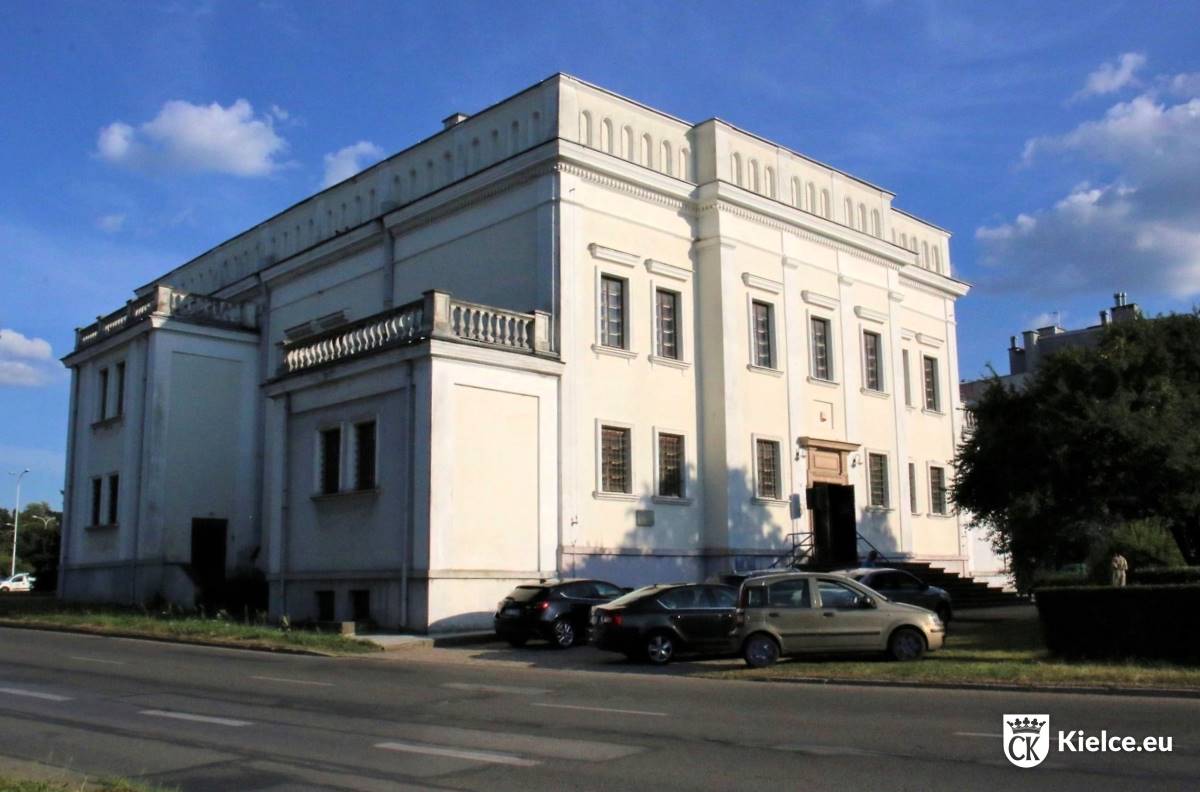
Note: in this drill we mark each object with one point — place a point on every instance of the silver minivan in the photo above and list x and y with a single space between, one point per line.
820 613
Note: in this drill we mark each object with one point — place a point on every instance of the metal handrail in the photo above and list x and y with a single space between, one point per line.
867 542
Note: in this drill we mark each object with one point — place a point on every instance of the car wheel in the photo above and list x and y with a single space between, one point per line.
760 651
906 644
516 642
943 612
660 648
564 633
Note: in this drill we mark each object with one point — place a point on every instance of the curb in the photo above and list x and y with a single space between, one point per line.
464 638
168 639
1095 690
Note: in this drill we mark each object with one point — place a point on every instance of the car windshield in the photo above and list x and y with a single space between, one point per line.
526 593
636 594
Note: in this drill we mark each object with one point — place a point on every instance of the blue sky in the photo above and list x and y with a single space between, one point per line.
1060 143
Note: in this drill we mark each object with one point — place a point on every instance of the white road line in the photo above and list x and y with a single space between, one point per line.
187 716
34 694
293 681
494 688
600 709
97 660
455 753
977 734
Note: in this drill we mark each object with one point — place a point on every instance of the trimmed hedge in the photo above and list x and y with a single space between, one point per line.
1159 622
1161 575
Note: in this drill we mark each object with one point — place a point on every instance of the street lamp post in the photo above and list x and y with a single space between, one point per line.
16 520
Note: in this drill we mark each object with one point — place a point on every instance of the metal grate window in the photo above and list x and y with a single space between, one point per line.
767 455
668 324
364 455
932 391
872 362
331 460
612 312
912 488
877 471
120 406
114 493
670 465
764 355
97 489
103 394
614 460
937 490
821 368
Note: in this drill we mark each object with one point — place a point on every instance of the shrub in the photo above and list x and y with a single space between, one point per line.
1060 579
1161 575
1160 621
1144 543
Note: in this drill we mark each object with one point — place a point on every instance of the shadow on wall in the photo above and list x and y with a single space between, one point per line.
873 527
680 541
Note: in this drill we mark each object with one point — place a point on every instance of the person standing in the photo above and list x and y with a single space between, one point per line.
1119 567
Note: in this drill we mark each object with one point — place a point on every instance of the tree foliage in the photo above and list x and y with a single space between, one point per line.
37 543
1097 438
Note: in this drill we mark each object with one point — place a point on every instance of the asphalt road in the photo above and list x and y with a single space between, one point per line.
211 719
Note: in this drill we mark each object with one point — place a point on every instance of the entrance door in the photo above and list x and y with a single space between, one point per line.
835 529
208 557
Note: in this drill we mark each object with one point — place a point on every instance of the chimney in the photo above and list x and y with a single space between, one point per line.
453 120
1104 318
1123 310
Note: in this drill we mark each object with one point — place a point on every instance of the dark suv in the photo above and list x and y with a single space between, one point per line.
556 610
661 621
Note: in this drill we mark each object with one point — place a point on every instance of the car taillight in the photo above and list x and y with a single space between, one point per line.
740 618
543 605
616 619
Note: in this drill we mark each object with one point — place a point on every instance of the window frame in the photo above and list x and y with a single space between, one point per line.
933 512
319 459
97 503
119 396
906 365
886 505
830 349
631 460
752 303
353 454
913 489
102 380
880 367
926 382
781 484
684 495
677 296
113 499
601 311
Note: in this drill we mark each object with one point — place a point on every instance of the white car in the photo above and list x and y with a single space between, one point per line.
22 581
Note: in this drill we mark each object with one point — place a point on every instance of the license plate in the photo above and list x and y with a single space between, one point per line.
512 612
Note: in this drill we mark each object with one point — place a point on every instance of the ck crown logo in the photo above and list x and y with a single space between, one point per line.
1026 739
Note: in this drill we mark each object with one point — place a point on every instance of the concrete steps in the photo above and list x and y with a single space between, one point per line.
965 592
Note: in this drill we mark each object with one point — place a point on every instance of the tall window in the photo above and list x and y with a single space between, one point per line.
907 378
821 360
614 460
97 489
670 465
331 460
114 492
103 394
764 354
877 472
932 391
667 329
767 458
612 312
120 405
912 488
937 490
871 361
364 455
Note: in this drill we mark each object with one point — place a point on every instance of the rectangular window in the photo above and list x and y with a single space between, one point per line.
614 460
364 455
612 312
937 490
103 395
821 360
325 606
97 490
764 354
114 492
912 488
871 361
667 330
767 457
331 460
877 471
932 391
670 465
907 378
120 400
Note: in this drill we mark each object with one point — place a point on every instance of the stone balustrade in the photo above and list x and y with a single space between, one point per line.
165 301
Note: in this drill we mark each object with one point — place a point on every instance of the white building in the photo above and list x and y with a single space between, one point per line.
568 334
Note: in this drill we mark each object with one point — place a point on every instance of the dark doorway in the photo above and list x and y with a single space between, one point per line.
208 559
835 530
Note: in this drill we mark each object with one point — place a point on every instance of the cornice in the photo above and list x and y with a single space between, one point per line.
667 270
765 284
871 316
613 255
818 299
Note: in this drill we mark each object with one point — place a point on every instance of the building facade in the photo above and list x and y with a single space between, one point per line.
569 334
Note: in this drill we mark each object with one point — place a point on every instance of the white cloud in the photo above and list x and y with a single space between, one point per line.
16 345
345 162
1139 220
184 136
24 361
110 223
1112 77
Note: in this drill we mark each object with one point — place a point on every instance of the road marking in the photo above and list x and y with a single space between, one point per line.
494 688
977 734
97 660
187 716
455 753
600 709
34 694
293 681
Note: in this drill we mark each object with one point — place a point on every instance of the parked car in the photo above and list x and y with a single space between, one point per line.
661 621
900 586
22 581
556 610
818 613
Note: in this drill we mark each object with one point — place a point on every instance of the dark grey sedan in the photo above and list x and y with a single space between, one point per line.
900 586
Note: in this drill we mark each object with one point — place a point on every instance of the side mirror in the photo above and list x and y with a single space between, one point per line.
866 602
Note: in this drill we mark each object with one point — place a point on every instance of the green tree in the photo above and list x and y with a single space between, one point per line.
1096 439
37 543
